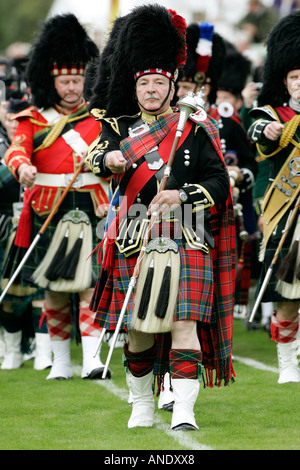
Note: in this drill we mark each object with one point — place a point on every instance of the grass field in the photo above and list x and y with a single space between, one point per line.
254 413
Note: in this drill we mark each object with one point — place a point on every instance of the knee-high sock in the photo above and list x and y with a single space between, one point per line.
284 331
86 320
140 363
185 363
59 322
39 319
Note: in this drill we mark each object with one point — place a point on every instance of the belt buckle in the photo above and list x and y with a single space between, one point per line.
139 130
77 183
156 165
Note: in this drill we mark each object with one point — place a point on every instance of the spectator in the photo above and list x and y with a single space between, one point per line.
258 21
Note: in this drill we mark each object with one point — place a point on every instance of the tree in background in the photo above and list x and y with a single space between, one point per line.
19 20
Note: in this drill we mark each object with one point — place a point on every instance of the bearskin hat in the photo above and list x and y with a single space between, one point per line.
103 69
283 55
237 69
15 105
150 39
62 47
205 57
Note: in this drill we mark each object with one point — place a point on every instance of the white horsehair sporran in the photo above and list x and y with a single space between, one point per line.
157 287
67 265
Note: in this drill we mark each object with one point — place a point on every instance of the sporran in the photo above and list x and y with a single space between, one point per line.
157 287
67 266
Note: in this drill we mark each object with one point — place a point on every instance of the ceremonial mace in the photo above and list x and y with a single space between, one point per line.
279 247
188 104
42 230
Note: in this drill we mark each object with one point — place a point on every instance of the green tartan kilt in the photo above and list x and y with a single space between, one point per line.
271 295
73 200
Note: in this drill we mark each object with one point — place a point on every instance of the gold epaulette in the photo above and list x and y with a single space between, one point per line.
25 113
98 113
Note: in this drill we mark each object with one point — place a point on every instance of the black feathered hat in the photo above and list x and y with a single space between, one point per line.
205 56
283 55
63 47
237 69
15 105
150 39
103 69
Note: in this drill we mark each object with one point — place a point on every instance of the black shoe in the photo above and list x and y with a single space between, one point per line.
184 427
97 374
168 406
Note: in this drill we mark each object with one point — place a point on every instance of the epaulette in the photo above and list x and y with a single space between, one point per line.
25 113
268 110
98 113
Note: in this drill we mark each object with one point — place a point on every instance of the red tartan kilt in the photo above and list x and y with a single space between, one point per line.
195 294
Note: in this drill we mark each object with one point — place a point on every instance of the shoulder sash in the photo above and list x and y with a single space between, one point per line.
282 193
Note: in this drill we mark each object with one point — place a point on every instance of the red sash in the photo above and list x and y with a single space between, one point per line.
140 178
285 112
143 174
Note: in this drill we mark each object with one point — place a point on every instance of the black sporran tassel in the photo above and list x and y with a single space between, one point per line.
99 287
143 307
52 271
298 272
164 293
67 267
287 268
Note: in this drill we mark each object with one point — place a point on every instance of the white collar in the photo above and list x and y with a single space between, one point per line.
295 105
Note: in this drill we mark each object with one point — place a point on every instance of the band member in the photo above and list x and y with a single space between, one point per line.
216 67
15 311
276 133
50 143
242 166
180 316
204 62
200 73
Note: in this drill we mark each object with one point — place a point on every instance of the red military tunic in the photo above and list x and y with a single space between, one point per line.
53 156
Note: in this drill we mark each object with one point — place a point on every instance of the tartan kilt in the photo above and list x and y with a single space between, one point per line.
195 293
73 200
271 295
243 278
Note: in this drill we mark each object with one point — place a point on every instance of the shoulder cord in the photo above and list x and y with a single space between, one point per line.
56 131
286 137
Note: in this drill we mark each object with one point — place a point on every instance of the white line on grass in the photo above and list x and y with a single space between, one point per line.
182 437
256 364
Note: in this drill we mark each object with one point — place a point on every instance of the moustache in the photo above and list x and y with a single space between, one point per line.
152 96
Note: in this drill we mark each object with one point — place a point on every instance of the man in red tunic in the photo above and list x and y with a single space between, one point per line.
50 143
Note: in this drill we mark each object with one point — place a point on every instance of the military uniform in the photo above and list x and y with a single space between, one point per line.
54 140
276 104
145 140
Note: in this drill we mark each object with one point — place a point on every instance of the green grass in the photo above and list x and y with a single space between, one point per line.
251 414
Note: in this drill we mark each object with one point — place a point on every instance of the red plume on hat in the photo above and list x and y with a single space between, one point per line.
205 56
180 25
